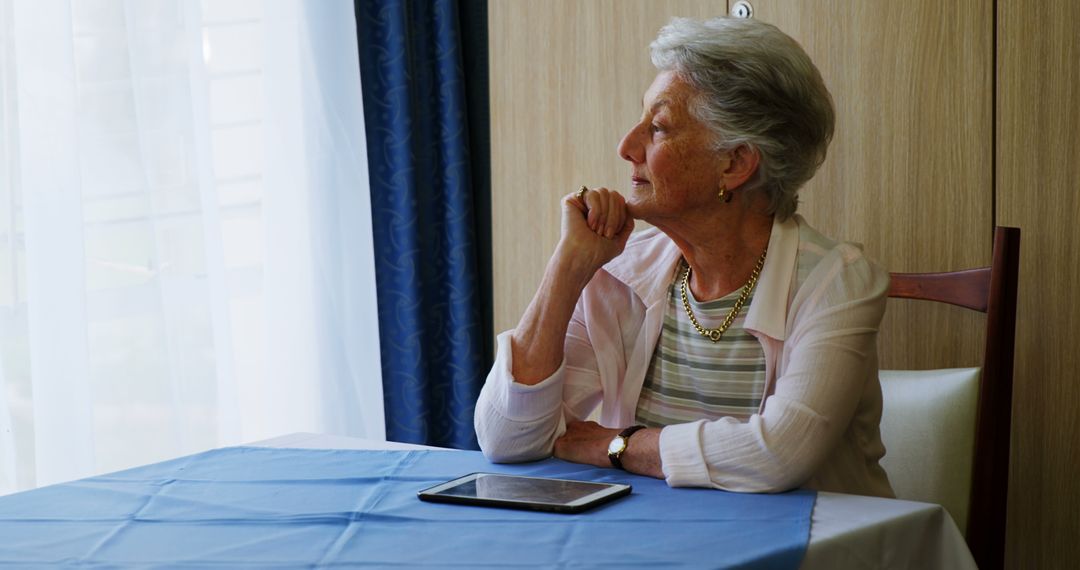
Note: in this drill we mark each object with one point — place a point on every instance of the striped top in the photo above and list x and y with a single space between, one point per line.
692 378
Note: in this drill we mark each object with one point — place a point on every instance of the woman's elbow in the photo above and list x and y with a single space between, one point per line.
777 470
504 455
503 450
783 480
503 443
763 481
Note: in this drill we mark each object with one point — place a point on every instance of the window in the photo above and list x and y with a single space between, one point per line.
164 250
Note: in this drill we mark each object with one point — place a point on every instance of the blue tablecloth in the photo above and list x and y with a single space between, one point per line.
271 508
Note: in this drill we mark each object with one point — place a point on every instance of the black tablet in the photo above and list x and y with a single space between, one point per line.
518 492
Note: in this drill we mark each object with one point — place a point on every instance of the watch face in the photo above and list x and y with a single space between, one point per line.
616 446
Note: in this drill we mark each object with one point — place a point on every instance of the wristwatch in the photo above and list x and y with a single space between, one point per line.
617 447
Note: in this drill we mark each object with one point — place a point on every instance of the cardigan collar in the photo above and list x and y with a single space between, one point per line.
767 315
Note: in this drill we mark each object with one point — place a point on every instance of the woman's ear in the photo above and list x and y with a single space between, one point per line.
743 163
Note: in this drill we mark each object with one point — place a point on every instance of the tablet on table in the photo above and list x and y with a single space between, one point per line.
520 492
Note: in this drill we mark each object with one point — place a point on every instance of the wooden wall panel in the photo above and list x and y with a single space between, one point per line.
1038 190
909 172
567 78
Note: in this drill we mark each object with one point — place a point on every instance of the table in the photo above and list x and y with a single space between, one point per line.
263 507
847 531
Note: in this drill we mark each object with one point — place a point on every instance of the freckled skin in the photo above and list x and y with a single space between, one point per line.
671 149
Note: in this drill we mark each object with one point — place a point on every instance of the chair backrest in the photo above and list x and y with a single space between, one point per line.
928 427
991 290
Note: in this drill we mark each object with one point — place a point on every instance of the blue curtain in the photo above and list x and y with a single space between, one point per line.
424 70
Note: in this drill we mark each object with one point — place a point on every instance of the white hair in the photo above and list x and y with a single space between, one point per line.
756 87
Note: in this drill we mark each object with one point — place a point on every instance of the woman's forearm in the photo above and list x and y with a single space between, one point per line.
595 228
537 341
642 454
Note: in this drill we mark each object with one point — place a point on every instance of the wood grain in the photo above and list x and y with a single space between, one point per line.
909 172
567 78
1038 189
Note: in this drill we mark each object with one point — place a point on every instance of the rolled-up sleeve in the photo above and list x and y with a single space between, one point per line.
517 422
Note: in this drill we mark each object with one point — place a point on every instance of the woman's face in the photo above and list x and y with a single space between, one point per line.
674 169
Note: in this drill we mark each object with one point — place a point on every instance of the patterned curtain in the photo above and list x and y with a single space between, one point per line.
424 72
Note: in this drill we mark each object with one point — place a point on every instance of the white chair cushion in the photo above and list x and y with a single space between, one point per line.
928 428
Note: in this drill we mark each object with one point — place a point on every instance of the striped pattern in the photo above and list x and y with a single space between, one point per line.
691 377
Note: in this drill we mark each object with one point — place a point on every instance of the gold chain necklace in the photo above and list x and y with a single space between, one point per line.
715 334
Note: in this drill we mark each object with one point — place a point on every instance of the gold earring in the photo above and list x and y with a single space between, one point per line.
724 195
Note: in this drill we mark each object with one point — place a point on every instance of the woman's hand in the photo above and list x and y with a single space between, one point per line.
595 227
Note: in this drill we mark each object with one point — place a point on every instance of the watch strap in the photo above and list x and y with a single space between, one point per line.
616 458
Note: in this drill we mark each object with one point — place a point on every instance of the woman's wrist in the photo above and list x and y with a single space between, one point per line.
574 267
643 455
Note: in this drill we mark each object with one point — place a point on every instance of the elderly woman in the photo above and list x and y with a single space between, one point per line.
730 345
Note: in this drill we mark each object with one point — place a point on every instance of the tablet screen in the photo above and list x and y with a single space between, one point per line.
525 492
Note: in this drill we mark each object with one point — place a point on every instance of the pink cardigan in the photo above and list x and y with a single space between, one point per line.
818 424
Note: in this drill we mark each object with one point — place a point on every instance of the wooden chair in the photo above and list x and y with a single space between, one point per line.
990 290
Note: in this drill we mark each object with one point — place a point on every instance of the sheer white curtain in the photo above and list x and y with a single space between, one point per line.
185 232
